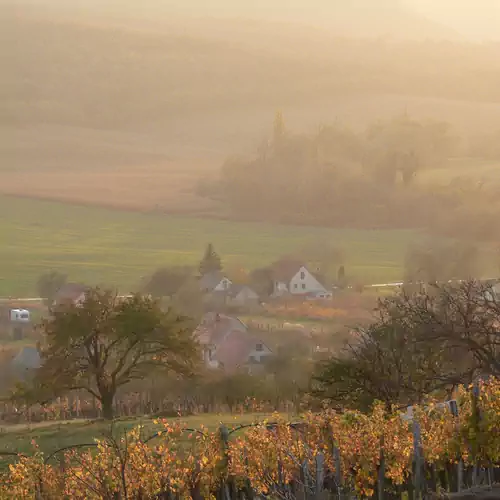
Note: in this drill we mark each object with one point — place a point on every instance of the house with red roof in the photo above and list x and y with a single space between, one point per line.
228 345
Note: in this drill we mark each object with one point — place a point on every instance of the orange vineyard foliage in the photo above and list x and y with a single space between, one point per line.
306 310
265 457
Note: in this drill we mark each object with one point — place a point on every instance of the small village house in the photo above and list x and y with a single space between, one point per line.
228 345
237 296
293 277
214 281
221 291
242 296
71 293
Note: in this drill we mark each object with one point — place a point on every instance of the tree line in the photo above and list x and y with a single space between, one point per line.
110 346
338 177
421 343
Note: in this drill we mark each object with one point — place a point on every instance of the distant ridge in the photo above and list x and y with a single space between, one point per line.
347 18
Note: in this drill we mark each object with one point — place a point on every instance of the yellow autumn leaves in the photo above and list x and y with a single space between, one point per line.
267 457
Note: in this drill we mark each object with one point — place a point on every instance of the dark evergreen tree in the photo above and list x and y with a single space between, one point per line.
211 261
341 274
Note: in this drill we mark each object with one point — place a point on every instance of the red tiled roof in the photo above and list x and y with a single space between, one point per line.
285 269
214 330
234 351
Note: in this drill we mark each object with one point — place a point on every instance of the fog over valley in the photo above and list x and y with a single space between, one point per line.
357 115
249 249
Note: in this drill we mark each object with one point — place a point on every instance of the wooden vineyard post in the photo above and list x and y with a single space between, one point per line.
476 412
460 465
224 490
320 475
338 469
303 493
417 460
381 472
337 463
249 493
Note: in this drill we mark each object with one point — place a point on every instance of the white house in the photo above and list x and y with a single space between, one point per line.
294 278
215 281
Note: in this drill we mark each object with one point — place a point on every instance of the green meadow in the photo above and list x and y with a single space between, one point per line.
53 436
116 247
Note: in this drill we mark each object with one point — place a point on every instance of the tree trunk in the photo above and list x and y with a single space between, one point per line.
107 405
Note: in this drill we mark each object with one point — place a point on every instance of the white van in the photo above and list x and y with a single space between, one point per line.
19 315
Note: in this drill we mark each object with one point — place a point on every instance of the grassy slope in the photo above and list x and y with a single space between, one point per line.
55 436
118 247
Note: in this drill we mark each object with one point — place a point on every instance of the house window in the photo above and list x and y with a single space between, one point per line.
302 275
251 359
303 286
296 286
259 347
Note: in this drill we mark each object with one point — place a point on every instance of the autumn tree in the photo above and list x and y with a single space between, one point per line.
290 369
279 128
397 359
262 281
211 261
404 145
323 255
49 284
441 262
167 281
107 342
341 277
188 299
464 315
238 275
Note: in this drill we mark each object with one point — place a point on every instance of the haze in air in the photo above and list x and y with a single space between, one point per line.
219 210
163 106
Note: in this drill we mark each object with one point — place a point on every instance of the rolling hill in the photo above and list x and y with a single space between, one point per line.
152 104
356 18
77 72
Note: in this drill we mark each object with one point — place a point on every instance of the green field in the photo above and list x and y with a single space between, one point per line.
113 247
51 437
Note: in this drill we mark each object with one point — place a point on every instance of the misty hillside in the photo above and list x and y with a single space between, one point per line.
478 20
79 72
356 18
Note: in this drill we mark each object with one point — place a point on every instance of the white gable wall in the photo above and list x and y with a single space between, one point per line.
304 282
224 284
259 352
